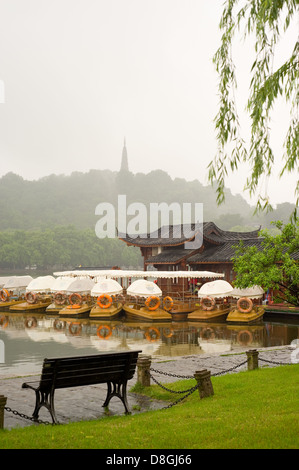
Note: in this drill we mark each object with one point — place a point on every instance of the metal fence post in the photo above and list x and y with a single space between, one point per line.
205 387
3 401
143 370
252 359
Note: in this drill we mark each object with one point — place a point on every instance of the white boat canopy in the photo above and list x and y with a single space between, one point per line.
80 285
144 288
18 282
219 289
254 292
61 283
41 284
4 280
106 286
119 273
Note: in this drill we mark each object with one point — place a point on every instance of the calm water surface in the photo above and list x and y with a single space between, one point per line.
27 339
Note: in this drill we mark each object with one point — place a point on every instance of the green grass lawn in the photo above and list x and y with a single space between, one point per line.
256 409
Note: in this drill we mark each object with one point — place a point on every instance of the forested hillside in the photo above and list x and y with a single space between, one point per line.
51 221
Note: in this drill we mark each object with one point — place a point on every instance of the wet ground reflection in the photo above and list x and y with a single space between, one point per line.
28 339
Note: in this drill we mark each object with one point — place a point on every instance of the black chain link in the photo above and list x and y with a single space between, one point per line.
274 362
22 415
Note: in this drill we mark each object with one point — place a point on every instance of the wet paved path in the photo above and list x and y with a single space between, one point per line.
85 403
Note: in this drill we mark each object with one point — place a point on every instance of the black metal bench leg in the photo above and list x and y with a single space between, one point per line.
46 400
120 391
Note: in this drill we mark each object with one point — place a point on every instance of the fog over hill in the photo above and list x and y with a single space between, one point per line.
59 200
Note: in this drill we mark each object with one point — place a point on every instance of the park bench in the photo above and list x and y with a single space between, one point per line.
114 368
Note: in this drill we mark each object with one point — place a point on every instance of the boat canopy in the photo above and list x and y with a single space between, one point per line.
41 284
144 288
119 273
61 284
80 285
254 292
106 286
4 280
215 289
18 282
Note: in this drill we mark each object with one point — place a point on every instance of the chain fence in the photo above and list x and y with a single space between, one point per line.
186 393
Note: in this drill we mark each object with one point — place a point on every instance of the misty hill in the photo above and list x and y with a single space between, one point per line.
60 200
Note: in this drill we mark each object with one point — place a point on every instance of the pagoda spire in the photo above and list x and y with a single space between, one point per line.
124 158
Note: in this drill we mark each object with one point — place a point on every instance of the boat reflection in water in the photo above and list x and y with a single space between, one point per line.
155 339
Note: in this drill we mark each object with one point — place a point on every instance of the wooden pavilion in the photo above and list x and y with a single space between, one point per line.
168 253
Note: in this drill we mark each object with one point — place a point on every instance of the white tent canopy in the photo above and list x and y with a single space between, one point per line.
214 289
41 284
4 280
254 292
61 284
106 286
80 285
144 288
18 282
119 273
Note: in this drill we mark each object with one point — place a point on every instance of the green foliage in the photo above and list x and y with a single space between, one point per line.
64 247
267 20
273 265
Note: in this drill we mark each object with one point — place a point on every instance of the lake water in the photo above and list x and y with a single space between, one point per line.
27 339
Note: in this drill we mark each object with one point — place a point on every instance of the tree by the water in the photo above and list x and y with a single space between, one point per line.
268 20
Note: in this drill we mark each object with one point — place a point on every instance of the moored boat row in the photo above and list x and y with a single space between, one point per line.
108 294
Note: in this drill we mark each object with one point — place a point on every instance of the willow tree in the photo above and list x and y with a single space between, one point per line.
268 21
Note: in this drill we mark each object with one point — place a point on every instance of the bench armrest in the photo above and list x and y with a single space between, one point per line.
27 385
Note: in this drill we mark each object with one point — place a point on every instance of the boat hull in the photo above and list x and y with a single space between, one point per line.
208 315
106 313
255 315
82 311
5 306
144 314
24 307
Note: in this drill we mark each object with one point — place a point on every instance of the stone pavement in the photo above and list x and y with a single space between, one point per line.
85 403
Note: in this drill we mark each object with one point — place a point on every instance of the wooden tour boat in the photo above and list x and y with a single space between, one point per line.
59 294
13 290
78 298
37 297
143 301
246 306
213 304
109 299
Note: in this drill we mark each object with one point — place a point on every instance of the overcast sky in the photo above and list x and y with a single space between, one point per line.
80 75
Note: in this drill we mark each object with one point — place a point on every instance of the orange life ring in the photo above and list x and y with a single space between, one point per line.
74 306
241 302
149 337
31 297
60 298
107 303
150 299
78 299
77 331
167 303
4 321
106 327
249 337
205 306
4 295
31 322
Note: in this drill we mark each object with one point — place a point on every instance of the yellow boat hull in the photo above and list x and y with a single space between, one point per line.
253 316
26 307
5 306
144 314
106 313
80 311
208 315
